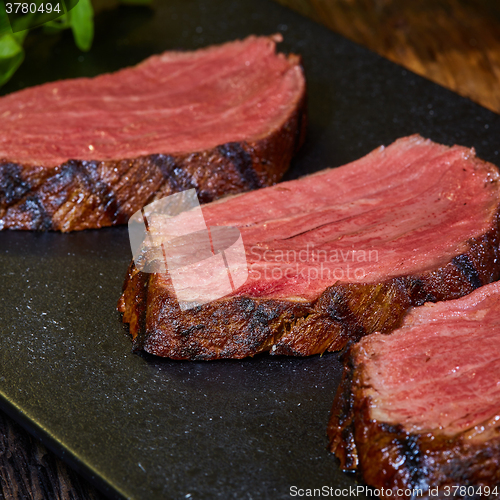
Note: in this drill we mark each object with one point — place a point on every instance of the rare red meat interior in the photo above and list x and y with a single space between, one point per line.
90 152
420 408
335 256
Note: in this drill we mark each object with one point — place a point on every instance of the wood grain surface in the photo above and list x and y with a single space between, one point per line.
29 471
455 43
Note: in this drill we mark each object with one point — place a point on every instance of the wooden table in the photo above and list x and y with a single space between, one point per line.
453 42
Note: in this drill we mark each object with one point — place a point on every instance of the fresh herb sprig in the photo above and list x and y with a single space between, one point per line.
80 19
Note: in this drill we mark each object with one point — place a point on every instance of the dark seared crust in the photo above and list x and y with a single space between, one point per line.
341 427
81 195
236 327
387 456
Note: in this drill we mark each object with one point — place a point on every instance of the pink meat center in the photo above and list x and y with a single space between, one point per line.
172 103
404 209
441 370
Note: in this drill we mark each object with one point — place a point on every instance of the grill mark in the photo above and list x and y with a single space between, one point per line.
121 188
83 177
411 452
418 294
12 186
464 264
66 175
173 174
242 162
339 312
191 329
40 219
95 185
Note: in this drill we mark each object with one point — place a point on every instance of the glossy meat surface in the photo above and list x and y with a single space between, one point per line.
172 103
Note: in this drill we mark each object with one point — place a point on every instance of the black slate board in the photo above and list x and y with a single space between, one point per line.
147 428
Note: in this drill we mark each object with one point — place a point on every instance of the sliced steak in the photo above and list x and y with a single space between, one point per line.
420 408
90 152
335 256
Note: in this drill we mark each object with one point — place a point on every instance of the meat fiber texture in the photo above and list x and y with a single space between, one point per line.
90 152
420 408
335 256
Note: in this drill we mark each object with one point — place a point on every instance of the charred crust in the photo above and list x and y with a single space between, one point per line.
137 287
79 195
342 314
242 162
410 450
12 185
463 263
190 330
419 295
340 429
38 216
173 173
227 328
246 304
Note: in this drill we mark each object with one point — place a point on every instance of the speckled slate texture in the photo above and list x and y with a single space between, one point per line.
146 428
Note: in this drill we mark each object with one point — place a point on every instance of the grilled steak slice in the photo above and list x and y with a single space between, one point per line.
420 408
88 153
335 256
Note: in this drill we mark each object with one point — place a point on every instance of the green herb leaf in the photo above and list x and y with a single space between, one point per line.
61 23
4 20
81 19
11 56
21 26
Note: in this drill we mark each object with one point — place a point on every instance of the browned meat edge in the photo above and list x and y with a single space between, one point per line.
387 456
81 195
236 327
